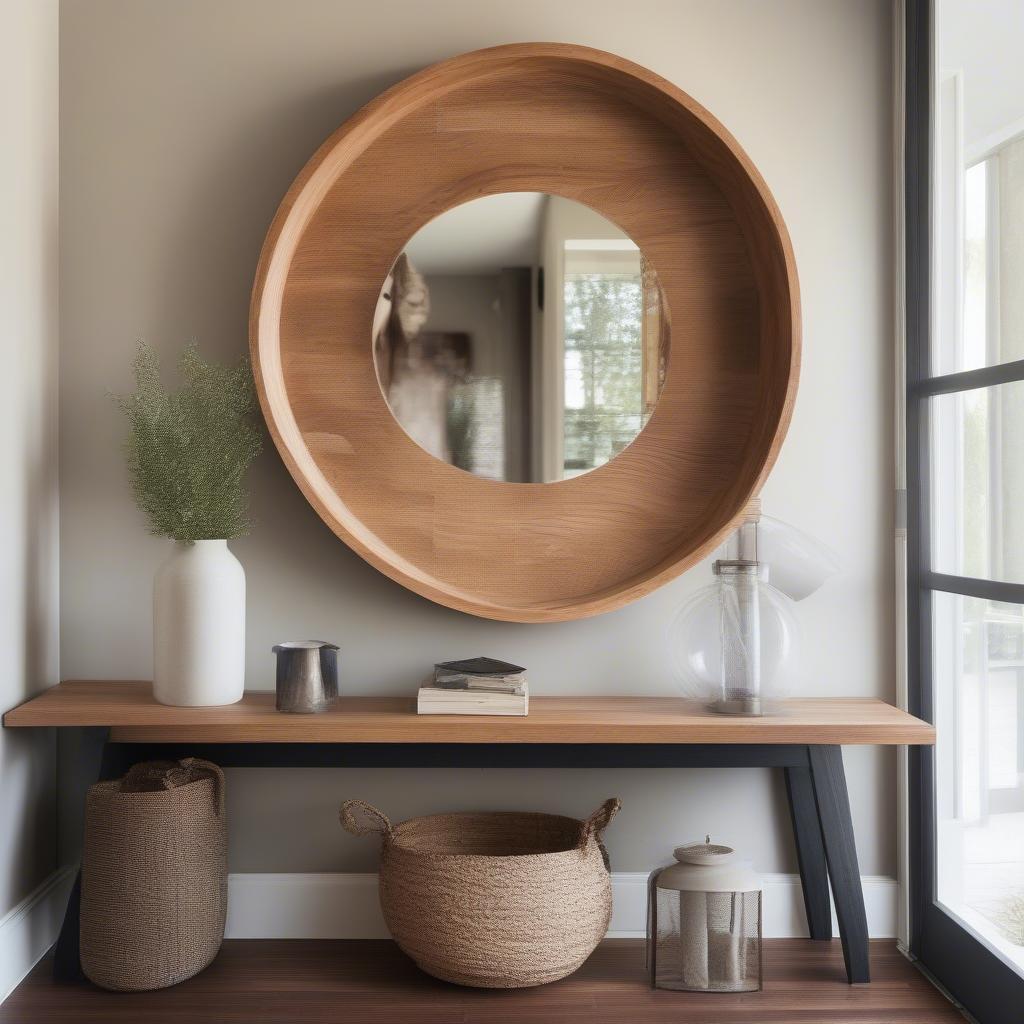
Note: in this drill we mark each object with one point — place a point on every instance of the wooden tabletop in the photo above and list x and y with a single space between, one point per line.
133 716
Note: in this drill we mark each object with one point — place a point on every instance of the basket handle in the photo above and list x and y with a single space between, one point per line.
363 819
148 773
218 778
168 775
598 821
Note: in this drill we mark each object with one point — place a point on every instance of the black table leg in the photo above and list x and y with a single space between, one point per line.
810 852
833 802
67 966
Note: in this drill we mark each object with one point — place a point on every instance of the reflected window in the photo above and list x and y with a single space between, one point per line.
603 302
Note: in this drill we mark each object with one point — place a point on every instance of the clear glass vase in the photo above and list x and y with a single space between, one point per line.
735 642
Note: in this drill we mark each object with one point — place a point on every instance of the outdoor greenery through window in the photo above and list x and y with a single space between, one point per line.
603 367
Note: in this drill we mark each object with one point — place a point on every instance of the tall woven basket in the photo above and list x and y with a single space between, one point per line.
154 875
492 900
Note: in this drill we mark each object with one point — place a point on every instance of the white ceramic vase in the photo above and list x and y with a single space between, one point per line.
199 626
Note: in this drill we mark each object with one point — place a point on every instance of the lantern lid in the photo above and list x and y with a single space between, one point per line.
708 867
704 854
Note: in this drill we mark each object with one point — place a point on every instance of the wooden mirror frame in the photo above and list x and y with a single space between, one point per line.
590 126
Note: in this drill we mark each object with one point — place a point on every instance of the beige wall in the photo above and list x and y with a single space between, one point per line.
28 435
182 126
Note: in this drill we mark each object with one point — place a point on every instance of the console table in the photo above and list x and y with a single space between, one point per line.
122 724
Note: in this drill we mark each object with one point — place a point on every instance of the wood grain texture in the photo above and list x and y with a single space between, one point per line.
129 708
358 982
597 129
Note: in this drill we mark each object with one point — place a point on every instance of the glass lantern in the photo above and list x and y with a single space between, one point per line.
735 641
704 923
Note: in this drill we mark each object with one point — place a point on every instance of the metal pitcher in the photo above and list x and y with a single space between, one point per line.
307 676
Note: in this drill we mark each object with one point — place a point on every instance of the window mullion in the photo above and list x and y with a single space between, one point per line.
970 380
969 586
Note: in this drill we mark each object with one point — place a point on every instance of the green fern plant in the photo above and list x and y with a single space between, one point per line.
188 451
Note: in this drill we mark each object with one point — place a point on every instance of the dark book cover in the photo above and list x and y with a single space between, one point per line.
480 667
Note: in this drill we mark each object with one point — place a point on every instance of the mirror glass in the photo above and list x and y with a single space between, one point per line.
521 337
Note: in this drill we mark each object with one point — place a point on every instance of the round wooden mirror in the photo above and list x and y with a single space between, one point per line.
593 130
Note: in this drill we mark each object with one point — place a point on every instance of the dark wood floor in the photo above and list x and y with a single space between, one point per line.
315 982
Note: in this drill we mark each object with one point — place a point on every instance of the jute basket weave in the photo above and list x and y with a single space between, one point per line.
154 875
492 900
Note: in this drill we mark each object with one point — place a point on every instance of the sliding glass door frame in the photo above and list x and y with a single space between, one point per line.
988 988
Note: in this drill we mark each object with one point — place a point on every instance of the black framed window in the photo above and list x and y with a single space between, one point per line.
964 273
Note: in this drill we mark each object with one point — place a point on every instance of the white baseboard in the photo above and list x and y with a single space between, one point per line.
31 928
295 906
344 906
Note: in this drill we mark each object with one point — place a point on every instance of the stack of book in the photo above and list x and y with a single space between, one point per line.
479 686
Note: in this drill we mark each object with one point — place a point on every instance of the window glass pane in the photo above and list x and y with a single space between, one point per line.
974 345
978 650
1009 343
978 483
980 307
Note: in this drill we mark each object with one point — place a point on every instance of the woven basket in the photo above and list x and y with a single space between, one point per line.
492 900
154 875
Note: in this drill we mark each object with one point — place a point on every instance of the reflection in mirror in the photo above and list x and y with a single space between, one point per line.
521 337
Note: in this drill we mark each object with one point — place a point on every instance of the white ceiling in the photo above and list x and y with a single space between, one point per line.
481 236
